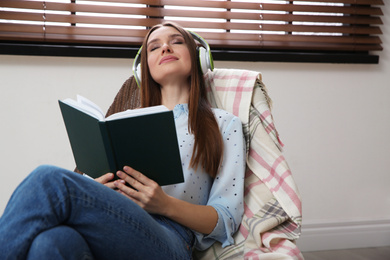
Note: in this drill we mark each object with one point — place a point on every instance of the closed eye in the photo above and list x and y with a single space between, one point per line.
177 39
153 47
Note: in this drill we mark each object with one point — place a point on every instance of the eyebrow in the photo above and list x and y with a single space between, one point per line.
170 36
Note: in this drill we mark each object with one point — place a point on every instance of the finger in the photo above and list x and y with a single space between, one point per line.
126 190
137 175
131 198
111 184
135 184
105 178
130 180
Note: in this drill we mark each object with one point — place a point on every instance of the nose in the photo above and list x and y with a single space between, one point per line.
166 48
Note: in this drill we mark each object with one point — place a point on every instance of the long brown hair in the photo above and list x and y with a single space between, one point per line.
208 147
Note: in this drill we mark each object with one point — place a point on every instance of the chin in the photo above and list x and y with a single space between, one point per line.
171 75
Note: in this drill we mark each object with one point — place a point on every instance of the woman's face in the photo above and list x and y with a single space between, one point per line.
169 59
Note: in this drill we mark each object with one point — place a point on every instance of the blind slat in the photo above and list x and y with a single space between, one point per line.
363 10
216 43
204 2
157 12
230 36
360 2
71 18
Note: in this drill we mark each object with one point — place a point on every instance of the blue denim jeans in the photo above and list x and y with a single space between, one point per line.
57 214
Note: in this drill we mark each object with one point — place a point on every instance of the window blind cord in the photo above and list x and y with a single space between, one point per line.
44 20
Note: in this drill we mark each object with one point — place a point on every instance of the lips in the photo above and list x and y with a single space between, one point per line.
168 59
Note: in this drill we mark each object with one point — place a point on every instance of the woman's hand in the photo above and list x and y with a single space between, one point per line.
143 191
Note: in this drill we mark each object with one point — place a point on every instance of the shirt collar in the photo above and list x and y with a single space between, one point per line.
180 109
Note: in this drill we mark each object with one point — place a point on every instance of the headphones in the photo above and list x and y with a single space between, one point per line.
204 53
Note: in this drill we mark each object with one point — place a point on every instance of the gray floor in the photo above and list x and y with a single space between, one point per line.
378 253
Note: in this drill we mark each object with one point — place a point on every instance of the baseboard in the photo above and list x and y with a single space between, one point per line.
343 235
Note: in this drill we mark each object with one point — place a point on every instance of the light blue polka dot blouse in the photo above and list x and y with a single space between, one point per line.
225 192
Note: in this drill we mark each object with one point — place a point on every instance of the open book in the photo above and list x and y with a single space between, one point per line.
144 139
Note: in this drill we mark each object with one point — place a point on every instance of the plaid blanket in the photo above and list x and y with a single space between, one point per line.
272 218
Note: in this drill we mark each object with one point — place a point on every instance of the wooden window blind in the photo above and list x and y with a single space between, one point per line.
351 26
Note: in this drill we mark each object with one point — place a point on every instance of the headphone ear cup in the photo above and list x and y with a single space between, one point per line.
138 73
203 60
137 68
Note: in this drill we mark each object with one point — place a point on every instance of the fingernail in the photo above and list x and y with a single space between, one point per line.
119 174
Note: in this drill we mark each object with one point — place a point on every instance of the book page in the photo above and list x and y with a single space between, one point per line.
137 112
90 106
86 106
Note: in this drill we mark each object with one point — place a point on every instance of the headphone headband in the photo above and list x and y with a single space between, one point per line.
205 58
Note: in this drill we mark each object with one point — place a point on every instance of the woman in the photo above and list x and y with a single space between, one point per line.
57 214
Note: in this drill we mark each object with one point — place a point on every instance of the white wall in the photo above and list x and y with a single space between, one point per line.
333 118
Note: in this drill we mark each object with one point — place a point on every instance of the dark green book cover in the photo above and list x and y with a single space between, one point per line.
147 143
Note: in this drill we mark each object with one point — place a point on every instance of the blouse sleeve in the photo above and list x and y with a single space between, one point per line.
227 191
